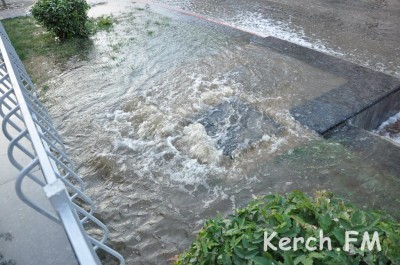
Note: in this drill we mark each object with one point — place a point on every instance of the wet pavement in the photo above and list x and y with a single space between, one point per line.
15 9
27 237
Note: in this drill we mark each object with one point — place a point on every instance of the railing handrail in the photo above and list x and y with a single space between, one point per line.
20 99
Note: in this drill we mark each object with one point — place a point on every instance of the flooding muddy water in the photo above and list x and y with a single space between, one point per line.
391 128
363 32
172 119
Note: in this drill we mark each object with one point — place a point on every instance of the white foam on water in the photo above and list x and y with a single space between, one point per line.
150 129
199 145
216 192
151 122
190 173
390 121
383 128
212 92
257 22
275 142
214 97
396 139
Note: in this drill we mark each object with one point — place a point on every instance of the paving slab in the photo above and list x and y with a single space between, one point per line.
27 237
3 145
7 171
34 238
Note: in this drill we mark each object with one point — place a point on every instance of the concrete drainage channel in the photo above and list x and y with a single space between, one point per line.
364 102
364 88
375 115
379 120
366 133
382 118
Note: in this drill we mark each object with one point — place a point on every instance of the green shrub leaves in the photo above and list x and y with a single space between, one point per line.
65 18
239 239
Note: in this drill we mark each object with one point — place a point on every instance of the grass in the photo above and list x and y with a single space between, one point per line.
31 40
321 152
38 48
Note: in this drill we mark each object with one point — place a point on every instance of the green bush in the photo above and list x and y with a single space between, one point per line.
239 239
65 18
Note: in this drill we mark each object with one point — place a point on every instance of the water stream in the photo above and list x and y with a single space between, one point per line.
363 32
391 128
172 120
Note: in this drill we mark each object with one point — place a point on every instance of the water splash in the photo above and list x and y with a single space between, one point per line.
390 128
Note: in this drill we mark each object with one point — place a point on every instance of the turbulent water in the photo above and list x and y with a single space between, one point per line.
391 128
171 120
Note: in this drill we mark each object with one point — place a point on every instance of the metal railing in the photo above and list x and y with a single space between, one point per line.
28 127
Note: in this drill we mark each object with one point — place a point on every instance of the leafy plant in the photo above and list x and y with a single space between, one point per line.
65 18
101 23
104 23
239 239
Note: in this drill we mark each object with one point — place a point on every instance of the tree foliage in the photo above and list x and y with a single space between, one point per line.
65 18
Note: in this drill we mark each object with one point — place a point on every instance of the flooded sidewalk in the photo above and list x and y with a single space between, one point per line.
172 119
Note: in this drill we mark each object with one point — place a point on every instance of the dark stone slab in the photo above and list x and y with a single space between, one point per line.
363 89
236 125
372 118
